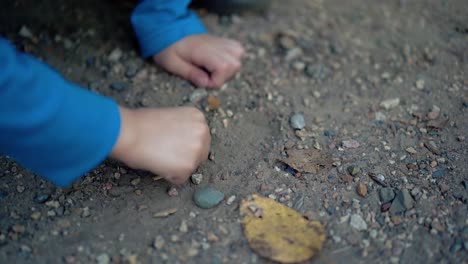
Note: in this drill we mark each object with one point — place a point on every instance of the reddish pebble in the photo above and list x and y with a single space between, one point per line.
172 192
385 207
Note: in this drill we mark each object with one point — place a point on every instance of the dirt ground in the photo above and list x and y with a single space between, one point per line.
382 86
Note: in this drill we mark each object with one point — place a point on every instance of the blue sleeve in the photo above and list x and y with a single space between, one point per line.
160 23
53 127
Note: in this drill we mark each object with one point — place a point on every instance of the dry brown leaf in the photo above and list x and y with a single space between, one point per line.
165 213
438 124
307 160
279 233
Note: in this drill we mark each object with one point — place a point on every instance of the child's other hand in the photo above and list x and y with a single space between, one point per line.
170 142
206 61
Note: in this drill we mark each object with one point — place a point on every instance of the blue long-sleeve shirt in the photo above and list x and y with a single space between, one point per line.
60 130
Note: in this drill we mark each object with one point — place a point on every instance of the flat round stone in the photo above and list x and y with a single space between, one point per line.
207 197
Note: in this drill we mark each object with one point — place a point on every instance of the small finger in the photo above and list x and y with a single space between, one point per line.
186 70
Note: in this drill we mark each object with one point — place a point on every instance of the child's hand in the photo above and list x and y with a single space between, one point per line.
204 60
170 142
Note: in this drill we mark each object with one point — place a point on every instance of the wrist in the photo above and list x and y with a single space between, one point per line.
127 135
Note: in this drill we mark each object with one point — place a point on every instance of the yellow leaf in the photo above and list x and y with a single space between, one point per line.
278 232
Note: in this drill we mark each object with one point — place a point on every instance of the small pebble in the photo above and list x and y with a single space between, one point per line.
197 95
357 222
438 173
158 243
297 121
131 71
196 178
287 42
41 198
118 86
411 150
85 212
54 204
455 247
434 113
420 84
174 238
444 187
390 103
25 32
329 134
115 55
431 146
103 259
213 103
402 202
353 170
231 199
379 116
135 181
317 71
361 189
183 227
386 195
67 44
172 192
36 215
20 188
350 144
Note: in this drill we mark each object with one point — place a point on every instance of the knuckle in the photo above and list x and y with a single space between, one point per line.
223 66
237 65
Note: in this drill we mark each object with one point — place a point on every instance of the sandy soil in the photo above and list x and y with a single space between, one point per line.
333 61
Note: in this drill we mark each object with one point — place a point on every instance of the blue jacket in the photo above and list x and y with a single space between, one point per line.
60 130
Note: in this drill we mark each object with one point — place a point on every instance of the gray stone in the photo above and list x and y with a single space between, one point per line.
317 71
380 178
455 247
159 243
67 44
118 86
41 198
115 55
103 259
358 223
297 121
386 195
25 32
438 173
402 202
131 71
196 178
390 103
207 197
197 95
353 170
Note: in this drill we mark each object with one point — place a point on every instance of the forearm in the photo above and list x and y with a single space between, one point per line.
49 125
160 23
